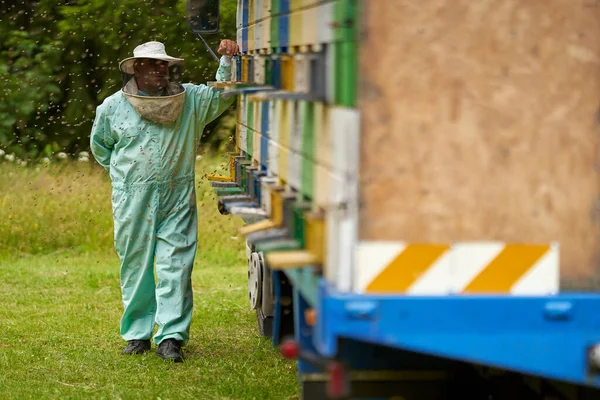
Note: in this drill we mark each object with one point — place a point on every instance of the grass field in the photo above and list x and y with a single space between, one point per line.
60 303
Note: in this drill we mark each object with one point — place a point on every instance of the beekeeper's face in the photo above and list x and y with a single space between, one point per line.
151 74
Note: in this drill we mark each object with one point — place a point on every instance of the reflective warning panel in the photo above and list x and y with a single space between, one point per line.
459 268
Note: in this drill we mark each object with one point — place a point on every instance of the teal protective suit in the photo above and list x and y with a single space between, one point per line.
152 170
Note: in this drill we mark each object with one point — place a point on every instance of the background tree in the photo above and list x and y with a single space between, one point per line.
59 60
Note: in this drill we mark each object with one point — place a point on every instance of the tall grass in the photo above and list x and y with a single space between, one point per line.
60 305
67 206
54 207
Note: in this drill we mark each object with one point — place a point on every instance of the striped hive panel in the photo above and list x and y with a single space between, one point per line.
310 33
338 189
314 234
285 120
238 68
286 137
296 136
256 140
251 42
245 40
257 115
345 70
311 3
276 72
265 193
274 28
283 163
258 44
265 35
275 134
244 69
323 137
239 39
301 73
238 15
321 186
258 7
317 74
234 69
245 12
238 118
307 173
346 20
273 158
345 125
263 140
460 268
273 124
264 152
243 143
283 25
295 171
250 125
244 109
264 118
266 8
250 12
256 147
251 68
298 111
268 70
295 28
332 231
259 70
330 78
340 230
308 151
325 23
285 133
296 4
287 73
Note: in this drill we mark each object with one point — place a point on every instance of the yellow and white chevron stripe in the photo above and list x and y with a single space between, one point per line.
458 268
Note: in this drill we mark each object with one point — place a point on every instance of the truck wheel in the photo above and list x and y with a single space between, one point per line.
260 293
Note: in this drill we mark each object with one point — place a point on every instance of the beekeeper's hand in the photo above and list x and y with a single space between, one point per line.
228 48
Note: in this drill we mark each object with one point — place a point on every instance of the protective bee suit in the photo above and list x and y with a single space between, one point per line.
148 145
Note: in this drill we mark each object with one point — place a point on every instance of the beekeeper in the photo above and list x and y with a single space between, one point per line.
146 136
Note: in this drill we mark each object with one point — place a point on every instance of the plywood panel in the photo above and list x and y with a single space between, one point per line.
479 122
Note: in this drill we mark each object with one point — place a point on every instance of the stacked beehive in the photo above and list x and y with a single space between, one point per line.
300 139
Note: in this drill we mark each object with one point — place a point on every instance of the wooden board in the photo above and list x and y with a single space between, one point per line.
479 121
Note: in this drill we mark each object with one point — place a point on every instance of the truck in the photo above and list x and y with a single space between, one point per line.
418 184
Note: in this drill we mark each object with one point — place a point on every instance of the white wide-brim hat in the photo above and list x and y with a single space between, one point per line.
154 50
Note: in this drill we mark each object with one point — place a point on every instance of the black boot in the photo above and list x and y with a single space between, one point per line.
170 349
137 347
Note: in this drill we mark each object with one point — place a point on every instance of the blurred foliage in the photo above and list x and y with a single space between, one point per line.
59 60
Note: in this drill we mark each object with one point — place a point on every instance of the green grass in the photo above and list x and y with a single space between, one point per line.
60 305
